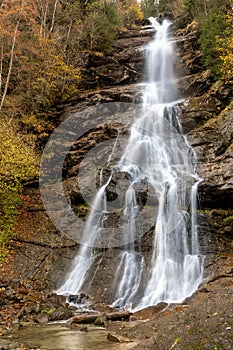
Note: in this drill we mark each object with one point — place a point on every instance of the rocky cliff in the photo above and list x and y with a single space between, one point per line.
207 122
40 255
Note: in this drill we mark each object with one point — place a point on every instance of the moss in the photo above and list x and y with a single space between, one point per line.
83 210
49 312
228 221
206 211
221 221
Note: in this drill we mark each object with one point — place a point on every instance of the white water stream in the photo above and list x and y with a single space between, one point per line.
159 155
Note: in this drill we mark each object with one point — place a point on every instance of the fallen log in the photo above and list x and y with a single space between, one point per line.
84 318
112 316
119 315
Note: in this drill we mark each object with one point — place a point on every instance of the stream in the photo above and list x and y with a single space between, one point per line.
60 337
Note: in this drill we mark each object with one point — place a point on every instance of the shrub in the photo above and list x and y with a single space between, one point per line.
225 49
18 163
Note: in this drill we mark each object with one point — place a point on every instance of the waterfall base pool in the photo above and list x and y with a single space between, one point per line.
57 336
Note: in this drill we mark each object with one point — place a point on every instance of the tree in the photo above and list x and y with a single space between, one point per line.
148 8
99 26
7 14
129 11
53 79
212 25
18 163
224 47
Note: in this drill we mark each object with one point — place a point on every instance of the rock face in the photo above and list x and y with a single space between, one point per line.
210 133
123 66
207 124
214 149
39 254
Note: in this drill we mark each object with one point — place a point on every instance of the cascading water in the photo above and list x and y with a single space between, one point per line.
158 155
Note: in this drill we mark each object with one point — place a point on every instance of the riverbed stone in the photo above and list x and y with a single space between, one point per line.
60 314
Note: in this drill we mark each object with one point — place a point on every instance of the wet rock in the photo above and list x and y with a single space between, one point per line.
204 290
11 345
78 298
195 84
212 143
142 192
150 311
187 41
60 314
41 318
207 125
123 66
222 221
196 111
116 338
120 182
100 320
117 186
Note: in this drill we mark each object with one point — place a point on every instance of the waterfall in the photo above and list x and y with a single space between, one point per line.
159 158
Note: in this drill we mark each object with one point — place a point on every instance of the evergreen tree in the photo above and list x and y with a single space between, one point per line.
213 24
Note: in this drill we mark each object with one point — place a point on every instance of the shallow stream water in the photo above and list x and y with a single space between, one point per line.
60 337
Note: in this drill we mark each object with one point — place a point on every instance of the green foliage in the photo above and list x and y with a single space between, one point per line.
100 26
148 8
216 38
49 312
189 10
165 5
212 25
185 11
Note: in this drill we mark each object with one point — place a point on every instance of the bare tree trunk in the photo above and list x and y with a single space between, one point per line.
10 65
53 17
1 68
41 22
205 7
67 41
45 19
44 10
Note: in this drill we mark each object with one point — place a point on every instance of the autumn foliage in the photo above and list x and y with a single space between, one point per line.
41 42
225 50
18 164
